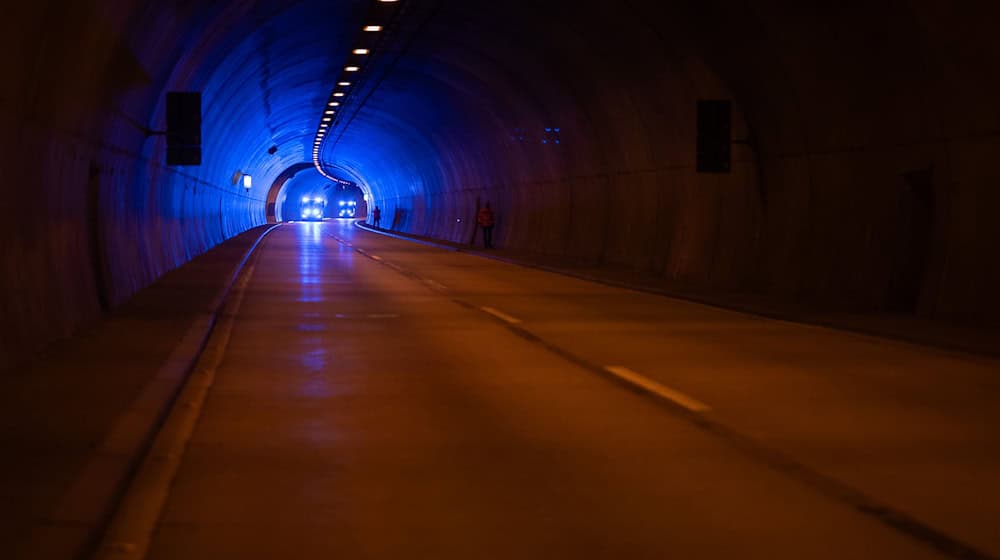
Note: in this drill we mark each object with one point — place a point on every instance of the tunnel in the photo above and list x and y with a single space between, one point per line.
838 105
863 176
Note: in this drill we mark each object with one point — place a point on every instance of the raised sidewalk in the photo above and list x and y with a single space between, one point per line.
75 421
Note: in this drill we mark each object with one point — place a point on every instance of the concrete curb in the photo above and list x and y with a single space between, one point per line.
130 531
96 493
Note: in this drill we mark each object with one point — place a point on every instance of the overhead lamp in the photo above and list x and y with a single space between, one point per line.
360 51
344 84
338 94
326 119
247 182
351 69
373 28
328 112
335 104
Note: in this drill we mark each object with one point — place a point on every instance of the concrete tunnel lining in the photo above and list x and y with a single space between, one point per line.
842 102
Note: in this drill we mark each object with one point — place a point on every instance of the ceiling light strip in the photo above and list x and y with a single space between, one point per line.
381 14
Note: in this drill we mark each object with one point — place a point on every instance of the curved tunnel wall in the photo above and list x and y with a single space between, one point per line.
868 175
616 184
92 212
858 114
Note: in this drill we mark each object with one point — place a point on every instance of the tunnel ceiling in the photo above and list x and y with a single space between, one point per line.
473 74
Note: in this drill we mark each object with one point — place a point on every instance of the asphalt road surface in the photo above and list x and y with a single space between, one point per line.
379 398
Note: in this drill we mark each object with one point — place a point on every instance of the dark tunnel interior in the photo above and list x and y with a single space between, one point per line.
863 175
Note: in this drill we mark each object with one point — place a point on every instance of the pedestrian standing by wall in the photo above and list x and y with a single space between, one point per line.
376 216
486 221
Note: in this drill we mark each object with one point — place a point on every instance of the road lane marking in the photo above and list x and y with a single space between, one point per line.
501 315
426 281
816 480
435 284
676 397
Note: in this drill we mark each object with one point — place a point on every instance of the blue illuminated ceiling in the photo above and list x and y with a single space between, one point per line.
265 77
431 83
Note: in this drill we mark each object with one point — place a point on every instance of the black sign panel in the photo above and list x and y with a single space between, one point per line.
184 128
714 136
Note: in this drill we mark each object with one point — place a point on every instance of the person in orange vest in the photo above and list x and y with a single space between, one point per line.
486 221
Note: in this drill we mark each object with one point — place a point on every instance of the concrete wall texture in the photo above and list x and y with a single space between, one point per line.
869 182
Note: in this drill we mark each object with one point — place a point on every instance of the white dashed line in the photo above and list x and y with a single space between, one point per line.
375 257
434 284
501 315
671 395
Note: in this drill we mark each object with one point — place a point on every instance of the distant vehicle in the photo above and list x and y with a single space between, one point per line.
347 208
313 208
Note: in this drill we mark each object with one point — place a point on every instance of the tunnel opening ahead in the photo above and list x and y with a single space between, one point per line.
301 192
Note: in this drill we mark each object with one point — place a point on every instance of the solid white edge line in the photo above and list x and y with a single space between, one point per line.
671 395
501 315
